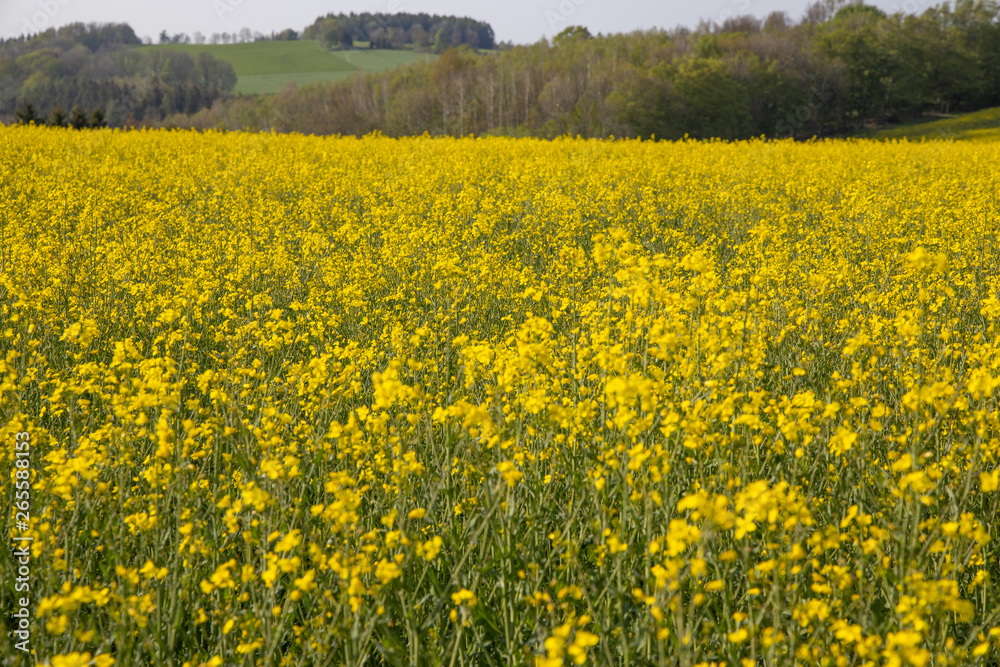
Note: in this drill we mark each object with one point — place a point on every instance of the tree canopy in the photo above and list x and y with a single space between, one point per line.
841 68
396 31
94 66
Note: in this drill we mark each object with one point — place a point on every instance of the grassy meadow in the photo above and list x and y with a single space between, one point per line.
333 401
982 125
267 67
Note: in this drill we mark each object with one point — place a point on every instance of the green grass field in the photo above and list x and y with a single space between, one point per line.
982 125
266 67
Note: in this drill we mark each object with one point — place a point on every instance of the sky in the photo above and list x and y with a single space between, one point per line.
517 21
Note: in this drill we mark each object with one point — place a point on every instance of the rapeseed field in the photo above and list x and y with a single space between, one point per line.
333 401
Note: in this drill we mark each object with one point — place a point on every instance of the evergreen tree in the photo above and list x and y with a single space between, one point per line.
77 119
26 115
58 117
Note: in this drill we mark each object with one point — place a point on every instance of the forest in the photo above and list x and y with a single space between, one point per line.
80 69
401 30
839 69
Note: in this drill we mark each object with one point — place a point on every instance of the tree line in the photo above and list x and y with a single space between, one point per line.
400 30
842 67
243 36
93 67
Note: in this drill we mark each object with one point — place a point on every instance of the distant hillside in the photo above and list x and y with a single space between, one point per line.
97 68
266 67
94 74
983 125
842 69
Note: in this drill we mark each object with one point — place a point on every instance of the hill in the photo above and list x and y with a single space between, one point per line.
834 73
982 125
266 67
98 69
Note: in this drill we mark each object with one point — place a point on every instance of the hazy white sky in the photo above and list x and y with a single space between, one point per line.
519 21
